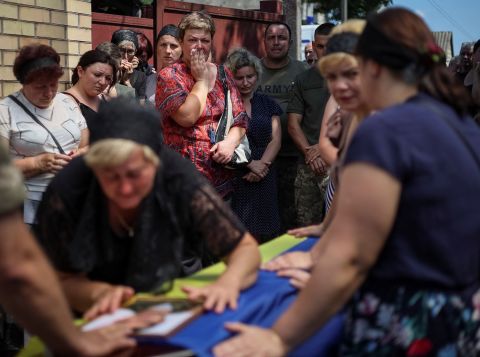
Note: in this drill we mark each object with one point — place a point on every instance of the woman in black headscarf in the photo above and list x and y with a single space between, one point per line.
127 41
132 215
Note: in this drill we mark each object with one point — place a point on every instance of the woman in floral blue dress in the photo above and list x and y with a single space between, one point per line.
255 194
402 252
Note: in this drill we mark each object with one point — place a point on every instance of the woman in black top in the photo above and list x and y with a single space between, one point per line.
132 215
95 71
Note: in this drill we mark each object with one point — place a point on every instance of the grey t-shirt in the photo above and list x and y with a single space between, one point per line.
278 84
26 138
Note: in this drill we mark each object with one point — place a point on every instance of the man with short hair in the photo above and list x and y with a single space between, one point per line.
460 65
279 71
310 56
305 113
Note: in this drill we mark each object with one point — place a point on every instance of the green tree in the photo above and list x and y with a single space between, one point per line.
358 9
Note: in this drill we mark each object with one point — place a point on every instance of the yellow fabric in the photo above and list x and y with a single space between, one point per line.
204 277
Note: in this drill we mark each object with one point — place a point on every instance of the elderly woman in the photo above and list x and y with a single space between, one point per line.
95 72
404 238
255 196
191 99
42 128
127 41
118 89
132 215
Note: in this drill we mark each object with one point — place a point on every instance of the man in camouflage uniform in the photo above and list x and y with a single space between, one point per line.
305 113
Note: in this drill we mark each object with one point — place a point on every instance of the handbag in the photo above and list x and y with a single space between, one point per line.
20 104
242 154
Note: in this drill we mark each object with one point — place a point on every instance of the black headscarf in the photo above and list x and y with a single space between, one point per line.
342 42
376 45
170 30
123 118
125 35
73 216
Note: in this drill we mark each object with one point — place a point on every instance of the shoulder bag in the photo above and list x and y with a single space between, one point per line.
242 154
20 104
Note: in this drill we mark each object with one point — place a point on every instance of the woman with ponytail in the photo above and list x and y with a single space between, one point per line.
402 251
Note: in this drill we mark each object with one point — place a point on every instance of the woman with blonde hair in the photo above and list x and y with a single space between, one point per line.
343 112
402 250
131 215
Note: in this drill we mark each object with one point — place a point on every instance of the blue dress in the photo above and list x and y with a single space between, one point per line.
256 203
417 299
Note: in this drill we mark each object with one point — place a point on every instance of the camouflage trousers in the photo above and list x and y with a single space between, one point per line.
309 195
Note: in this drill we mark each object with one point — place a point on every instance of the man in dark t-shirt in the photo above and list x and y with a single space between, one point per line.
305 114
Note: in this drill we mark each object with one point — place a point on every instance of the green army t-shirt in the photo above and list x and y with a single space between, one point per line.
278 84
309 97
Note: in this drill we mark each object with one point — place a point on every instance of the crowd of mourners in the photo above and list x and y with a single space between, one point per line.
122 183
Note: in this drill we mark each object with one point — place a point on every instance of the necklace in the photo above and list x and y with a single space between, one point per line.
124 225
128 228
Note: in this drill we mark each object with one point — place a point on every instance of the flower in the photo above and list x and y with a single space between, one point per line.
421 347
369 304
476 306
433 53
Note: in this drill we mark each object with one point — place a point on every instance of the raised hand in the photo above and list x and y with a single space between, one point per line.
334 125
126 66
198 65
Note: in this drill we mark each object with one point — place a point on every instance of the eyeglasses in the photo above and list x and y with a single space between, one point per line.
128 51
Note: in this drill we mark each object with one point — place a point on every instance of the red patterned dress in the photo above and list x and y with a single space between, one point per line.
173 86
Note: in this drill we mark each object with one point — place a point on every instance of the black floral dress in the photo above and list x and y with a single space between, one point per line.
183 223
256 203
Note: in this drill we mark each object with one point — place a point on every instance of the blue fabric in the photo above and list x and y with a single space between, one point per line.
434 242
260 305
